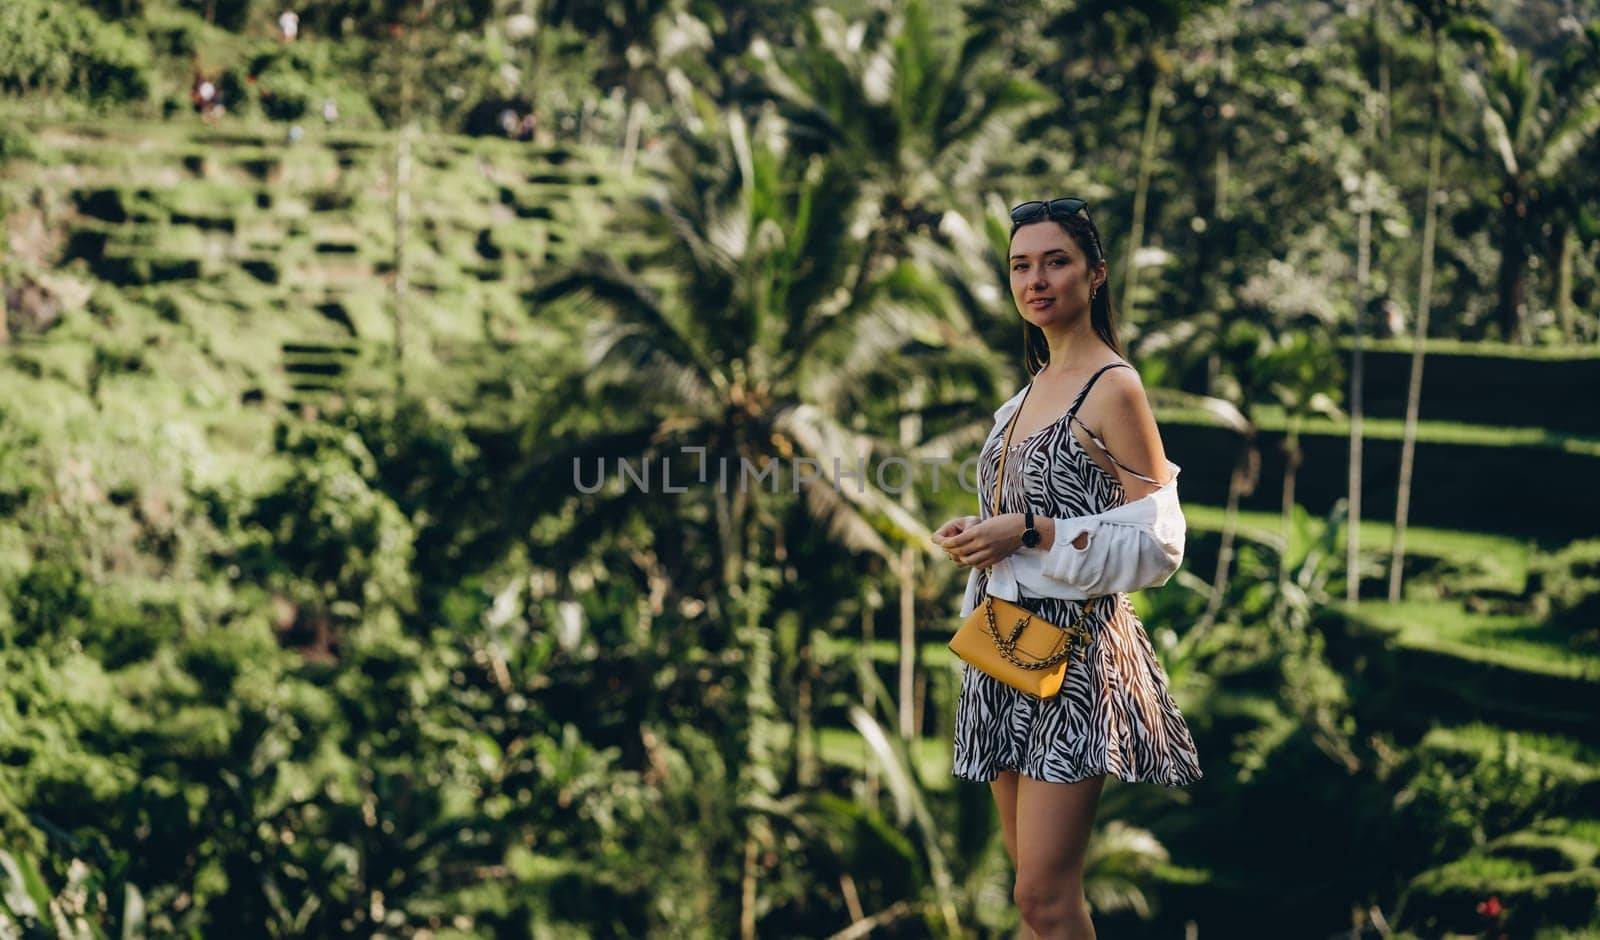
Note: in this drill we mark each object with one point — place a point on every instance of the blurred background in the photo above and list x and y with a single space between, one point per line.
313 311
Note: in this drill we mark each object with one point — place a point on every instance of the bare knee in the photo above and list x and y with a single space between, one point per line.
1051 903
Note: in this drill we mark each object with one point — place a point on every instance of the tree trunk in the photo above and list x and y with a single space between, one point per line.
1237 485
1352 555
1513 265
910 431
1380 13
1408 446
1141 194
1291 468
907 569
747 889
1568 246
758 775
402 221
807 769
869 699
731 508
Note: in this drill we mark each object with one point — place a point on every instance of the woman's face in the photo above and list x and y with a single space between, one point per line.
1050 276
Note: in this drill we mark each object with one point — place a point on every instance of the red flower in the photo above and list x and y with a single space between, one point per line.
1490 908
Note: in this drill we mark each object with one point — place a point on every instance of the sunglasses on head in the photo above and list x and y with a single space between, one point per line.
1063 208
1058 210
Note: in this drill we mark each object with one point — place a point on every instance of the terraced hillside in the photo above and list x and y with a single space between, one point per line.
228 260
240 259
1484 683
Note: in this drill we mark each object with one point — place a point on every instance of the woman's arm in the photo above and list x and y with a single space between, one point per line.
1136 545
1128 444
1139 544
1119 421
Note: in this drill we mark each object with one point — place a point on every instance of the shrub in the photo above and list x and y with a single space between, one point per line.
228 14
1566 588
56 47
15 144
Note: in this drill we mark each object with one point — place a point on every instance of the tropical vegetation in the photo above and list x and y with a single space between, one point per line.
464 466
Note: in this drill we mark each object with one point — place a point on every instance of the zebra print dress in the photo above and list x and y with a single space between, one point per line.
1114 714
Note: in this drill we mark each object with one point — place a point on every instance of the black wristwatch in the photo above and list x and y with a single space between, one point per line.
1030 535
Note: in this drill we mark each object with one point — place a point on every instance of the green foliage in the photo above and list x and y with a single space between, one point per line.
1566 587
62 47
283 86
381 670
327 536
1464 792
15 144
229 14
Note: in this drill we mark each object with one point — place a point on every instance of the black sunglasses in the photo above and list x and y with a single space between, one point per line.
1063 208
1059 210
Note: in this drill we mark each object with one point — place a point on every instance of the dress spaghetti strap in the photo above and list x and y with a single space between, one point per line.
1078 402
1072 416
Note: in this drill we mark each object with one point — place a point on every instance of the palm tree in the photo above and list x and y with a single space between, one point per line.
921 111
1375 99
1435 15
1575 219
1532 127
758 325
1151 27
923 107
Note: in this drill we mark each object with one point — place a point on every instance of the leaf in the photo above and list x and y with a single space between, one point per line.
910 804
133 914
1494 125
22 888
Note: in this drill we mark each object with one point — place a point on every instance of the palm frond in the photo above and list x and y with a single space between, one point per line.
894 757
1576 128
825 440
601 279
1495 132
844 523
902 296
627 354
1119 867
1225 412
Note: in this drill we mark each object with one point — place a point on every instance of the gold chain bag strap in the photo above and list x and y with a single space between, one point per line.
1032 654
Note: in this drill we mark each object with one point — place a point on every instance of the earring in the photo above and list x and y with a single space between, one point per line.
1094 292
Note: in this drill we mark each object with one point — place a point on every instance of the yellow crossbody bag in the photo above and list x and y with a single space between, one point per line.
1011 643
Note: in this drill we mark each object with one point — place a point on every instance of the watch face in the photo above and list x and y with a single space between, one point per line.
1030 538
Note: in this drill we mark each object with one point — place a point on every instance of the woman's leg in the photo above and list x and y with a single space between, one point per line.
1053 824
1004 788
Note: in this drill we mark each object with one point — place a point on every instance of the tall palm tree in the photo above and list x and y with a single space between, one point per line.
1533 123
1576 220
1435 14
1375 99
758 325
916 96
921 109
1152 28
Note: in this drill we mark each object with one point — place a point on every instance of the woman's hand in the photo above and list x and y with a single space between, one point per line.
943 534
981 544
953 528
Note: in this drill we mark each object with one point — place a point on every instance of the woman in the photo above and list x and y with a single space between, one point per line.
1088 511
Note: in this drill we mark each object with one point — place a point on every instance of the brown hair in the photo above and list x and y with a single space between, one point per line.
1102 315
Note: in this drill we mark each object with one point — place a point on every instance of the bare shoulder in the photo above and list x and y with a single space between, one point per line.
1120 414
1120 393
